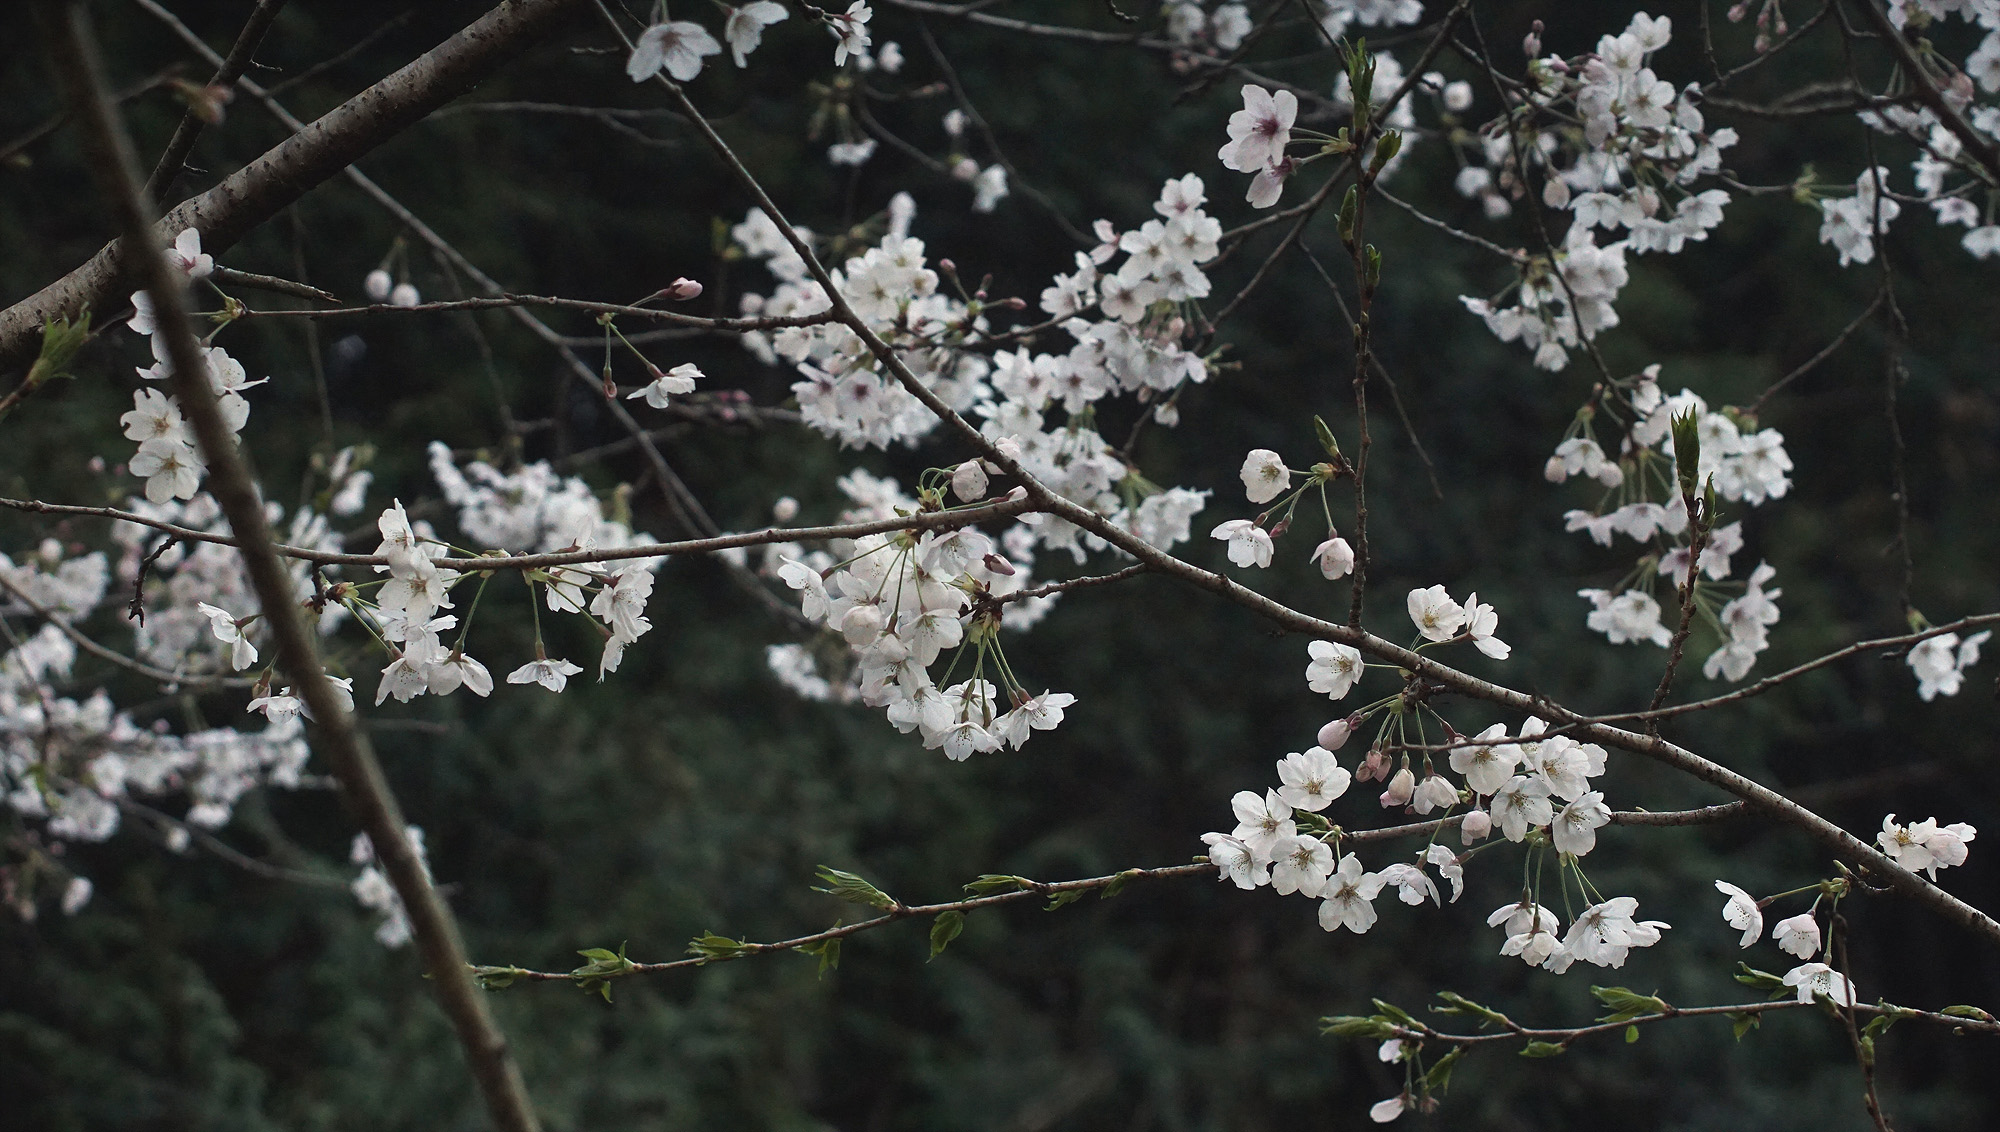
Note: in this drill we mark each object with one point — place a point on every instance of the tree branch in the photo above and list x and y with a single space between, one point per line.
245 199
109 152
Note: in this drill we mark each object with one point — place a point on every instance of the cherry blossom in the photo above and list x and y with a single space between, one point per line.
1312 779
1235 862
1259 132
1249 544
1262 822
1480 623
1925 846
1520 804
1798 935
1817 980
1334 668
1350 896
678 380
1301 865
1437 617
1264 475
550 674
186 255
1741 912
1334 557
679 47
1574 828
744 28
850 31
1940 662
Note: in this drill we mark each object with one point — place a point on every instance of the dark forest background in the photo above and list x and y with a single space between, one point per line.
691 793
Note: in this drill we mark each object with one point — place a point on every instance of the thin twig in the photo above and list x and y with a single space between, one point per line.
84 642
922 521
191 124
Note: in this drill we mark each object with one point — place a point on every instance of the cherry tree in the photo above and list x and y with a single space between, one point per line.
904 603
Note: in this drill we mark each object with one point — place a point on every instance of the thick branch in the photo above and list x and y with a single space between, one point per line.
245 199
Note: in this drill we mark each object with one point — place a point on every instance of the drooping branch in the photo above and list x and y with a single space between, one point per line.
253 194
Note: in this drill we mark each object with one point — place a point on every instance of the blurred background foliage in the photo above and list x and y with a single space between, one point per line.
690 793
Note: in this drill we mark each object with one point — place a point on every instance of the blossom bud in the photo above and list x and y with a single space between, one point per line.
999 565
204 101
1017 495
785 509
405 295
965 169
1401 787
1375 765
1475 827
1958 92
1434 793
681 290
1334 735
1009 447
861 625
1531 44
968 481
378 285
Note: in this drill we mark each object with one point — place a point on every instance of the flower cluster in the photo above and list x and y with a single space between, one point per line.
180 578
71 766
901 602
1940 662
1640 499
1925 846
1221 31
679 47
1281 841
1634 165
168 459
532 510
1134 348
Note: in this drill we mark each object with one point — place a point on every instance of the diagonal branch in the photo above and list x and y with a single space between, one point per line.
253 194
1868 859
108 151
232 68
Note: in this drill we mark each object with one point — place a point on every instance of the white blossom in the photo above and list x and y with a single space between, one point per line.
1741 912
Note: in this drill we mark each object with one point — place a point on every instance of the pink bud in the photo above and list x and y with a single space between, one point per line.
1334 735
1476 826
1375 765
1401 787
681 290
999 565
